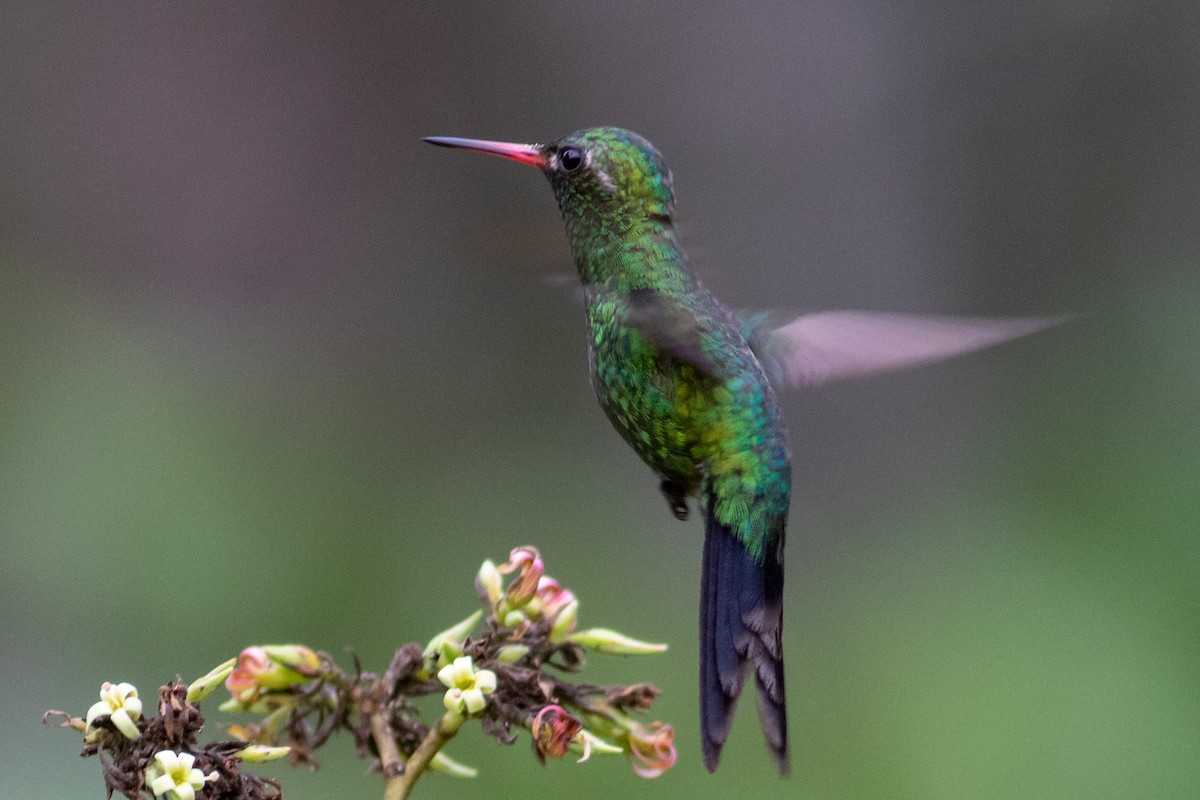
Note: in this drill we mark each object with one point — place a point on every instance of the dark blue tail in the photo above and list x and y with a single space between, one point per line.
741 622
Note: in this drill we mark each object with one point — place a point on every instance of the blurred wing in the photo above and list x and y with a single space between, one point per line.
666 324
831 345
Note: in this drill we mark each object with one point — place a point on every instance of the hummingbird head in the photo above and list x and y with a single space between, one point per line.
608 174
614 192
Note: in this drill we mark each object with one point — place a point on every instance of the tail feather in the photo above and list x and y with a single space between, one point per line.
741 622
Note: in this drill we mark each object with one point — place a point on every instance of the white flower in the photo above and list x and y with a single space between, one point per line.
172 773
120 703
467 686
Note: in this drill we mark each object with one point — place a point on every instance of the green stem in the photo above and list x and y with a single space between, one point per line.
399 787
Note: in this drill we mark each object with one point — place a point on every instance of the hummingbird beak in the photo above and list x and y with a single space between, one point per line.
525 153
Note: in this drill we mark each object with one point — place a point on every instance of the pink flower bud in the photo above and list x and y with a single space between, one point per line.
260 669
553 597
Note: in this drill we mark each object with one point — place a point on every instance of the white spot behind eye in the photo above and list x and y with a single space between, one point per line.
605 180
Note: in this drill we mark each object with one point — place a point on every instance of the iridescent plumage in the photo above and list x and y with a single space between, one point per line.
678 378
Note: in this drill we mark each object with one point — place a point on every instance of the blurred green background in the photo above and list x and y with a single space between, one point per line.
271 369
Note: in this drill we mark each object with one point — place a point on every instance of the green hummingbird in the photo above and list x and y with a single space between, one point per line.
686 382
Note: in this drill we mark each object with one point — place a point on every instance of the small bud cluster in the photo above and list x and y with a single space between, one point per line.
534 597
536 616
531 596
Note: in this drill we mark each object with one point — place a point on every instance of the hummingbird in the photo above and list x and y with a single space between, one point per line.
689 384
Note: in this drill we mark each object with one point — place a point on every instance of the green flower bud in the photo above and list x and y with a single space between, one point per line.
203 687
294 656
489 584
448 766
605 640
261 753
514 618
587 743
564 623
512 653
447 645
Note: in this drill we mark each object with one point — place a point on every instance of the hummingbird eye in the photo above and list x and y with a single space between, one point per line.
570 158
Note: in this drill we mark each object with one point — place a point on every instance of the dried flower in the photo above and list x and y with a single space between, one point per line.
528 562
553 730
651 748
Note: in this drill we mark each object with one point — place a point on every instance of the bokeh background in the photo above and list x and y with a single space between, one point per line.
271 369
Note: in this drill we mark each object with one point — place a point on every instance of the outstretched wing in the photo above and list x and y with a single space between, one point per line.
818 348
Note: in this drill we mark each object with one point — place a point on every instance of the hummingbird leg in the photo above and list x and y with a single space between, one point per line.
676 498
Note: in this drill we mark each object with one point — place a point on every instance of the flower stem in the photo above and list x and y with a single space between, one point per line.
389 755
399 787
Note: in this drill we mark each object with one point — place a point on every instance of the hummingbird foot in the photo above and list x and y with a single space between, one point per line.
676 498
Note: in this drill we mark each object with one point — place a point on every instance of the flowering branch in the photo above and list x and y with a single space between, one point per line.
512 675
